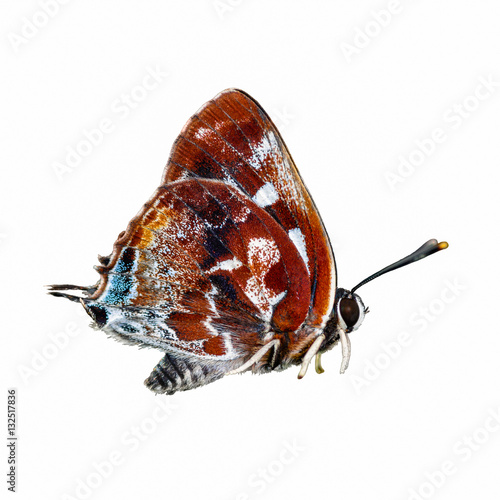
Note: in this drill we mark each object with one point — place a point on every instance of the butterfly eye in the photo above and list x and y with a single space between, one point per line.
351 312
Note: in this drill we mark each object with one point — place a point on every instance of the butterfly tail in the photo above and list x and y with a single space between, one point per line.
56 291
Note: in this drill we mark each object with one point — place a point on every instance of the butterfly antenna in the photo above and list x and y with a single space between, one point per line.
428 248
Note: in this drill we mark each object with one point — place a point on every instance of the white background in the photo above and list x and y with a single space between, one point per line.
349 107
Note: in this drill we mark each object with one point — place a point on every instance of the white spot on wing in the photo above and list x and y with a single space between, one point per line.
263 254
202 132
277 299
260 153
226 265
300 243
266 195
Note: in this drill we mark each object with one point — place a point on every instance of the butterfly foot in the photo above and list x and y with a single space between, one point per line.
317 364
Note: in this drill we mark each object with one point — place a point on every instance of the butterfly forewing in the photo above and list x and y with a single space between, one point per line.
232 139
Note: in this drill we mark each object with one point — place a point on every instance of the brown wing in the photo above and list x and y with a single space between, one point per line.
232 139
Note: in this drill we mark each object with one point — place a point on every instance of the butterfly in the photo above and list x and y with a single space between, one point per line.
228 267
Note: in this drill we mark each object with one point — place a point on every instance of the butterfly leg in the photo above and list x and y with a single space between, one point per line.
346 350
256 357
174 374
317 364
311 352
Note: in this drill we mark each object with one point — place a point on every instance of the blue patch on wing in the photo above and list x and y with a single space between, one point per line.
118 290
126 261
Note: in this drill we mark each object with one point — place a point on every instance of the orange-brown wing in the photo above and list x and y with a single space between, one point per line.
232 139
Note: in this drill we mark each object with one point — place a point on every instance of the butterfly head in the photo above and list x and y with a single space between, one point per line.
349 309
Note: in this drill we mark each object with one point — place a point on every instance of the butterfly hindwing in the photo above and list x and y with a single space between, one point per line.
201 271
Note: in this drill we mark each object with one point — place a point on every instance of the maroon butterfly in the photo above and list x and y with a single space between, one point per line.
228 267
